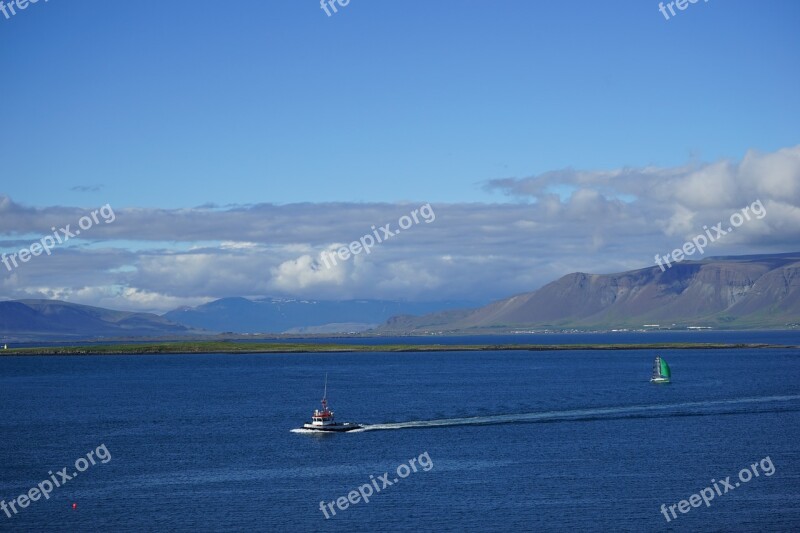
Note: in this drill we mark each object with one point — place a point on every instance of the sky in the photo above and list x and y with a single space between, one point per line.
236 143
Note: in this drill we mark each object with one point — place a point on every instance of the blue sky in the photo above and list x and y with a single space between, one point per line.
176 104
239 141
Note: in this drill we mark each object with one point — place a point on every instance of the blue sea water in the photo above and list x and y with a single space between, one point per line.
519 441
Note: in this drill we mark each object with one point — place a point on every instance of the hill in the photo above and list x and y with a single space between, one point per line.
54 319
284 315
740 292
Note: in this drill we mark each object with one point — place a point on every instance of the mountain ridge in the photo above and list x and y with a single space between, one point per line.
298 315
731 291
56 319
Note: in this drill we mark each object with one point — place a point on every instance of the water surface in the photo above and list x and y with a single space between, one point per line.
519 441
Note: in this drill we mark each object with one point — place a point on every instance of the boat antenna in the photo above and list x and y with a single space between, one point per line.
325 394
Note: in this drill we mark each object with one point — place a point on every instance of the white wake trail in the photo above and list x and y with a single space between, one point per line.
594 413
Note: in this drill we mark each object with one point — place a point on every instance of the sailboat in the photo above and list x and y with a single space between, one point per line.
661 371
323 420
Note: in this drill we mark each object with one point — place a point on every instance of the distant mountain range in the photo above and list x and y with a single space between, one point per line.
276 315
44 320
56 320
744 292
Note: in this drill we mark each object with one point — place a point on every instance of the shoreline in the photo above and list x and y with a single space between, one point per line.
233 348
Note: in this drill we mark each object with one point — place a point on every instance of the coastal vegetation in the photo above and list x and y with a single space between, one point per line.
218 347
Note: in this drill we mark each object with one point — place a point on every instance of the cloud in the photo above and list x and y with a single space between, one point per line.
720 184
86 188
552 224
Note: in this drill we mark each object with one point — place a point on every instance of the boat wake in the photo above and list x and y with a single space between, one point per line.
705 408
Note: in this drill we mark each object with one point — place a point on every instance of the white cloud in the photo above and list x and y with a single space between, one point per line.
605 221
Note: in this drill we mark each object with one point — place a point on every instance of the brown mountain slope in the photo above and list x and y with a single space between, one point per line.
735 292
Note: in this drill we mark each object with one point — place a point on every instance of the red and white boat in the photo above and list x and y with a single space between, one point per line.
323 419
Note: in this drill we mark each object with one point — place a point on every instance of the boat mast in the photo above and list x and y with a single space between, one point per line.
325 394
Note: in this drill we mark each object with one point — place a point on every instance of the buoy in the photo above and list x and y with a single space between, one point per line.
74 505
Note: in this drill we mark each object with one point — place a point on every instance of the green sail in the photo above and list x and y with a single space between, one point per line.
665 369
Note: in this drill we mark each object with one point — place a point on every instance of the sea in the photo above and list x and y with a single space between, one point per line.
451 441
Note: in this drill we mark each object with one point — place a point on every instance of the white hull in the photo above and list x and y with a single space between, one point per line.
336 428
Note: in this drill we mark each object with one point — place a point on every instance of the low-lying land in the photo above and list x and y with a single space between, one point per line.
249 348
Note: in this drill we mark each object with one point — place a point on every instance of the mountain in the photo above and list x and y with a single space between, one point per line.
53 319
275 315
759 291
745 292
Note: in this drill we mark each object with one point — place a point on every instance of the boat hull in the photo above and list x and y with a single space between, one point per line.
659 380
332 428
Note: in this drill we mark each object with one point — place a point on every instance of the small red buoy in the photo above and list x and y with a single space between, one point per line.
74 505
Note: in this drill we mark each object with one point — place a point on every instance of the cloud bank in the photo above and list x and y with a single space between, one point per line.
551 224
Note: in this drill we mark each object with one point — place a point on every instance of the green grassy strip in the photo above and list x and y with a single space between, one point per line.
237 347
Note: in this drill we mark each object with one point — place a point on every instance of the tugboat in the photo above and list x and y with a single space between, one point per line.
323 420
